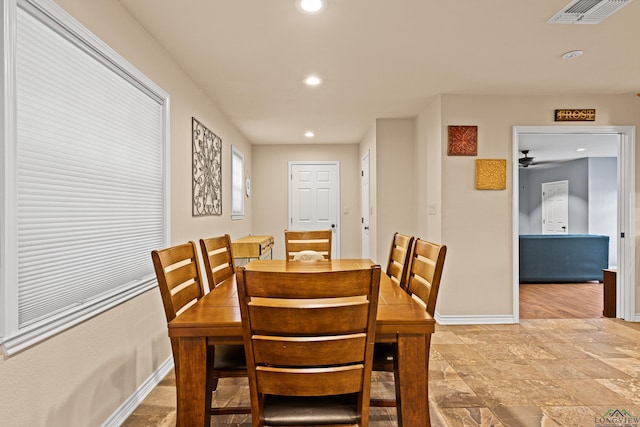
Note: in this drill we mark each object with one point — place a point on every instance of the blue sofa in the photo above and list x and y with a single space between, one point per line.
563 258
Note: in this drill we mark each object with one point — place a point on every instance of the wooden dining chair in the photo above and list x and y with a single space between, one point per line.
423 282
218 259
399 257
179 279
308 240
309 344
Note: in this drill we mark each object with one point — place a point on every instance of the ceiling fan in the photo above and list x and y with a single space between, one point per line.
525 161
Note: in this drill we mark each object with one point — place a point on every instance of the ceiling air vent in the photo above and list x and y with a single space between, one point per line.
587 11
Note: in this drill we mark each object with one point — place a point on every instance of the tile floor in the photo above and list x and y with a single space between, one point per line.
559 372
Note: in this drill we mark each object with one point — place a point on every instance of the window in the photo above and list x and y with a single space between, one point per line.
84 195
237 184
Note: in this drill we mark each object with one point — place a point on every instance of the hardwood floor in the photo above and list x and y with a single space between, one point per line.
561 301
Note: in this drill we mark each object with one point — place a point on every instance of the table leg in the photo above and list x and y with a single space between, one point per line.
412 397
191 383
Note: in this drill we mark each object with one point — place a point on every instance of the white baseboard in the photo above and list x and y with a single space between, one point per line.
487 320
474 320
128 406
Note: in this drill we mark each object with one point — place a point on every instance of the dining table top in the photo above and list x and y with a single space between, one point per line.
217 314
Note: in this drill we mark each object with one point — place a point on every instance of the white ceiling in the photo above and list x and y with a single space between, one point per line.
382 58
563 147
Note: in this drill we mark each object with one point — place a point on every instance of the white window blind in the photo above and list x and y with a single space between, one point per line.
89 177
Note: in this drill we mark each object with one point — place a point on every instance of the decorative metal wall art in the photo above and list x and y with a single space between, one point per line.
491 174
206 170
463 141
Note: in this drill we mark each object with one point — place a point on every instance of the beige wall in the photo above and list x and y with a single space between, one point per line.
477 225
428 167
396 184
81 376
270 185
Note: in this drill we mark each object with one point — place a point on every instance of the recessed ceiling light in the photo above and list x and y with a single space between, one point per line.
313 81
309 134
572 54
581 149
311 6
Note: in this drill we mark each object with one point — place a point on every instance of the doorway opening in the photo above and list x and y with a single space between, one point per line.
622 235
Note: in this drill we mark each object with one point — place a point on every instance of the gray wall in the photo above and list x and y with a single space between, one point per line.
592 197
603 201
577 173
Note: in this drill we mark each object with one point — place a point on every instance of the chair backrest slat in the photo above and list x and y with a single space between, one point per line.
287 284
352 315
310 353
308 240
320 382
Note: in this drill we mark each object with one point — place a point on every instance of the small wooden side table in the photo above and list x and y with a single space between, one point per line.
609 283
251 247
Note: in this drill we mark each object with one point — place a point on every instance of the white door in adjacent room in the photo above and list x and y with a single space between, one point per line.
314 198
555 207
366 237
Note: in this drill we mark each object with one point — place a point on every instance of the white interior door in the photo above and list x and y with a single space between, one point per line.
314 198
555 207
366 238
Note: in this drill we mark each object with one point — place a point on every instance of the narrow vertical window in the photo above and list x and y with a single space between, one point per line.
237 184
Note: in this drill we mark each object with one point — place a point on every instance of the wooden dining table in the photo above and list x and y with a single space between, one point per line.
215 319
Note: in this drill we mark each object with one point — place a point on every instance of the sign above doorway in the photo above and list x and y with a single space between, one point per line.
576 115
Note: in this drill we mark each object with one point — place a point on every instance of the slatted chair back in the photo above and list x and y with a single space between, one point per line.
309 240
309 344
427 263
180 282
178 273
218 259
399 257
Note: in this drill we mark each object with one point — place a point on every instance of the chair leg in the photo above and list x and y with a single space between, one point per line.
212 383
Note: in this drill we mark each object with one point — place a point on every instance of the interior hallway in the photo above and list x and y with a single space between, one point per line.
549 372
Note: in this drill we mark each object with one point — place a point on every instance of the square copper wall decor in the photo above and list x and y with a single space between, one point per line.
463 141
